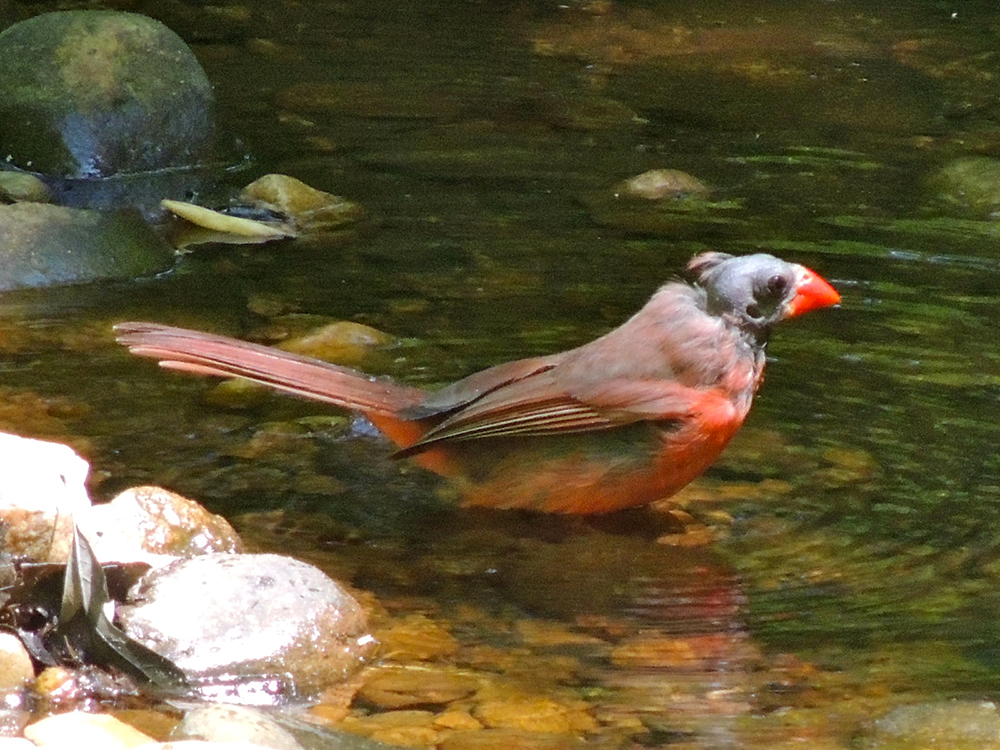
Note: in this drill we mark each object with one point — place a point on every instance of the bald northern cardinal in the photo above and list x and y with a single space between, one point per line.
622 421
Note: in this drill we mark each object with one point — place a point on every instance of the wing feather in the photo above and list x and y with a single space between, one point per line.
539 405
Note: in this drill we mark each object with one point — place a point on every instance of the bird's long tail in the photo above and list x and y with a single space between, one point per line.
208 354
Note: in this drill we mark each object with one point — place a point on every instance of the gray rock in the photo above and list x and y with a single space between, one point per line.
96 93
43 245
249 628
222 723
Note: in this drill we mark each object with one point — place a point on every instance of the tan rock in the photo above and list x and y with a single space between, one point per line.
145 521
661 651
15 664
457 720
409 728
398 687
510 739
416 638
548 633
662 184
79 729
536 714
312 210
342 342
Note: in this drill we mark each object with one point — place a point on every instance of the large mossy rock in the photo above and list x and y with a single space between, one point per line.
97 93
43 245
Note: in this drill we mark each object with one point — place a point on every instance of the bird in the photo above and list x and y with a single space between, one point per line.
620 422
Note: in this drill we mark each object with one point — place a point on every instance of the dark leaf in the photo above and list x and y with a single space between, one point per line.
89 635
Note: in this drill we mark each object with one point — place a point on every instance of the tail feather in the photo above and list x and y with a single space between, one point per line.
208 354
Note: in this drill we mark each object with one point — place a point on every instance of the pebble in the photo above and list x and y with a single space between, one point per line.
224 723
16 669
85 730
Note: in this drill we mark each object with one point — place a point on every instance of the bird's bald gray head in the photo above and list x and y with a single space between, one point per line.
752 290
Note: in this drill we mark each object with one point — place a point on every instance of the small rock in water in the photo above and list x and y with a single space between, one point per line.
956 725
970 186
663 184
312 210
343 342
222 723
85 730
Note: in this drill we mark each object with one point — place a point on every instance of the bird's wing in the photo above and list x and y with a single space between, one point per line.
463 392
540 405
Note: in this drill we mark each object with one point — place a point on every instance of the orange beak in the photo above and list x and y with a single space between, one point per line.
812 293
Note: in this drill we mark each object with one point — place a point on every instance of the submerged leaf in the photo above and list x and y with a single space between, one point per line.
226 228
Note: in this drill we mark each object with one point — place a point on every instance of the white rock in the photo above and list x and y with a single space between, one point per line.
42 486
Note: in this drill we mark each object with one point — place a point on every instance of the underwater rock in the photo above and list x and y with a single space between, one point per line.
97 93
252 629
956 725
222 723
662 201
425 685
416 638
43 245
662 184
342 342
969 186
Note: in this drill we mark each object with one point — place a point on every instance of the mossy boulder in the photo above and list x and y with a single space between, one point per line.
42 245
95 93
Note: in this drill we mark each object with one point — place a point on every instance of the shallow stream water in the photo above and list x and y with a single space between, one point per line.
853 542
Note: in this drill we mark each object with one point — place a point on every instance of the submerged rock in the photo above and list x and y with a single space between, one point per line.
662 184
662 201
969 186
42 245
253 629
956 725
222 723
98 93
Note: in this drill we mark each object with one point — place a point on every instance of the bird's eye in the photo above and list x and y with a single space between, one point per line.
777 285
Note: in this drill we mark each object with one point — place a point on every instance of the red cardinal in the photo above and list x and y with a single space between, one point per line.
622 421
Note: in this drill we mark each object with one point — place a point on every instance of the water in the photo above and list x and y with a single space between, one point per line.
861 558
